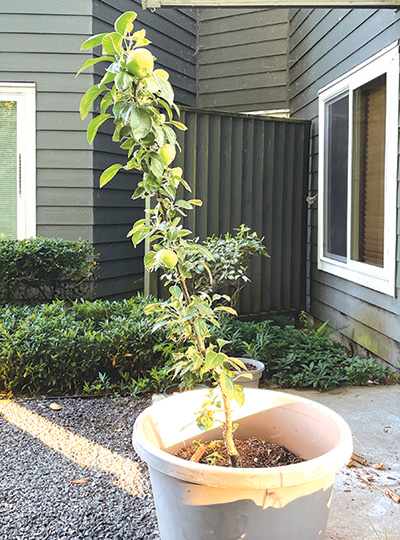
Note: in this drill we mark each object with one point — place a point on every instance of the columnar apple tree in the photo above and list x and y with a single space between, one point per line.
139 100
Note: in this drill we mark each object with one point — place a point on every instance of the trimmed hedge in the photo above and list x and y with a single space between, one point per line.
40 269
61 347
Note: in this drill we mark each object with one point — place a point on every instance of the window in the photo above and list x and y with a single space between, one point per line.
17 159
358 137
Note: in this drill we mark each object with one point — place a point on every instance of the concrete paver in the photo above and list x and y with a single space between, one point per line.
373 414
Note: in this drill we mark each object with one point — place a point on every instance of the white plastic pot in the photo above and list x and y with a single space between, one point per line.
255 373
204 502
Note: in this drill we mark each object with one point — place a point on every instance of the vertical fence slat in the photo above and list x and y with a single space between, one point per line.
214 202
288 255
256 210
236 173
202 159
225 178
268 204
189 152
248 178
277 223
299 234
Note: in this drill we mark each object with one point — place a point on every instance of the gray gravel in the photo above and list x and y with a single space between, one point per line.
72 474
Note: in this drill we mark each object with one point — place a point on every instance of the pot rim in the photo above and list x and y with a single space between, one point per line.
264 478
258 366
196 386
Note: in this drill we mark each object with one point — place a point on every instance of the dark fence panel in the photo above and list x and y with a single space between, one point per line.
252 170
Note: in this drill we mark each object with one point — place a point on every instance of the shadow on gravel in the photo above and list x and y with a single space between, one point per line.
56 484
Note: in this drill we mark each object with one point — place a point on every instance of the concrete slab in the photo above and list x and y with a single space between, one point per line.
359 504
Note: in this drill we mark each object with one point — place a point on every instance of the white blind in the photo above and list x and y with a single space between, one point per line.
8 169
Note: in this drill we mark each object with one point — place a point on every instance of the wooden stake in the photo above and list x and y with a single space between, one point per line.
199 453
359 459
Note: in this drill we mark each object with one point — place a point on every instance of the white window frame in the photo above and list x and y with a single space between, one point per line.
379 279
25 96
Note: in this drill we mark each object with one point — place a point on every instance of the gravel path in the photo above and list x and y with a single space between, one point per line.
72 474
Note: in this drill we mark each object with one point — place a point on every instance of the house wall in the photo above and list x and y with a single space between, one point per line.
323 45
173 33
242 59
39 43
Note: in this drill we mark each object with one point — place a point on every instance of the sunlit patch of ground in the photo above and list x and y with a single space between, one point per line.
76 448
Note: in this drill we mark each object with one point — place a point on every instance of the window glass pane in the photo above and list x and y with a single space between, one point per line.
8 169
369 127
336 152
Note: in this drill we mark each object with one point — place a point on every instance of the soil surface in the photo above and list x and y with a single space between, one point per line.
249 367
254 453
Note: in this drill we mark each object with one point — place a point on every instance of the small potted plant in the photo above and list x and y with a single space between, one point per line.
195 500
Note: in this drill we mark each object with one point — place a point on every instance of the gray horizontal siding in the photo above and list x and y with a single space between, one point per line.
43 7
376 342
173 36
40 42
52 23
120 287
11 42
242 59
323 45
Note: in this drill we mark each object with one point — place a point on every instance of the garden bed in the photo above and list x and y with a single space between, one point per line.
106 347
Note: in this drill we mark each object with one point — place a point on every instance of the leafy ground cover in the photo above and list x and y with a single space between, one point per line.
294 357
103 346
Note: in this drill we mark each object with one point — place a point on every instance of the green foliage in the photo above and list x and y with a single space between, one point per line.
154 380
110 347
229 265
45 269
298 358
58 347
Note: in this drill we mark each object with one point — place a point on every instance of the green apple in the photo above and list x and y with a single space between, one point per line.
167 258
140 62
167 154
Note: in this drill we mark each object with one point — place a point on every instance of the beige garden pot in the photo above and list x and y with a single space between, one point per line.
255 374
202 502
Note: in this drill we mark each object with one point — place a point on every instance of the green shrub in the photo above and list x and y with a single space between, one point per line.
229 268
60 347
39 269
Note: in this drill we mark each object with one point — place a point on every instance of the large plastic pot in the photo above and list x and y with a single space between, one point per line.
202 502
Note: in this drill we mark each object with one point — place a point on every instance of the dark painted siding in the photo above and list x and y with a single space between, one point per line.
40 42
324 44
242 56
173 36
252 171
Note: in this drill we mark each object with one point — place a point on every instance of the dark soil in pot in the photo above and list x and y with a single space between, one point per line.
254 453
249 367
